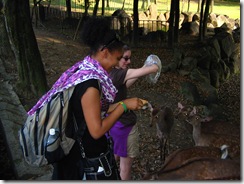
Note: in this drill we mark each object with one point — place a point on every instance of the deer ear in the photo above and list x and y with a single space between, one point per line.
207 119
193 112
180 106
155 111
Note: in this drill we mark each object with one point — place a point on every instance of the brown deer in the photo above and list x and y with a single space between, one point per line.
197 163
164 124
208 123
200 168
212 139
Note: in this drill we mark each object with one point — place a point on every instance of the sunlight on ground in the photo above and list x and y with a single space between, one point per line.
48 39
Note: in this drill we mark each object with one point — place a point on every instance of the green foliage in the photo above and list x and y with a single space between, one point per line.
227 7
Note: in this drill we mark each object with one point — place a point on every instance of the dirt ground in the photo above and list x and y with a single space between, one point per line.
59 52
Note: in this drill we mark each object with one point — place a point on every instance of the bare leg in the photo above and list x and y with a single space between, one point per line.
116 157
125 168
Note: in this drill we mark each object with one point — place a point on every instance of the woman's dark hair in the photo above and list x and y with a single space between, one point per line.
97 34
125 48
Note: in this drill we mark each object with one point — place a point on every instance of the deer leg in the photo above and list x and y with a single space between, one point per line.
161 150
165 147
151 121
168 145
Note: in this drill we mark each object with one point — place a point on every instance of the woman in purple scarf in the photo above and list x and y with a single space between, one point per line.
93 93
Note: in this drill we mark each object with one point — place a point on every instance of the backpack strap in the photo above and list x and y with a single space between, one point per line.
79 139
61 112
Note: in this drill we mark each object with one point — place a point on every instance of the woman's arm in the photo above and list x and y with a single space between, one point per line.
112 107
90 102
133 74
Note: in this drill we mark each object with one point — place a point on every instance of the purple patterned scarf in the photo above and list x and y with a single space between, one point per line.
80 72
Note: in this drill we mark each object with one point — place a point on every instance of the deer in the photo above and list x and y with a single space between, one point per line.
182 115
180 156
200 168
197 163
164 124
219 127
209 124
212 139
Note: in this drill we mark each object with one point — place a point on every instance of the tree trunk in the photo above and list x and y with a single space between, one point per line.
95 8
6 54
86 8
107 3
201 22
135 23
212 6
171 24
103 7
123 5
188 8
23 43
176 22
143 4
182 5
199 5
35 13
68 6
205 20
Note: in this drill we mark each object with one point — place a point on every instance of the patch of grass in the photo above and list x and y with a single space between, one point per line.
230 8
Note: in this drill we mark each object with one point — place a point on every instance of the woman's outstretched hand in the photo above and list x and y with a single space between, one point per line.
133 103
